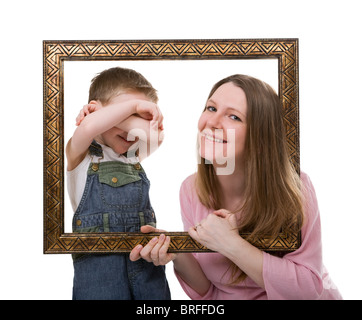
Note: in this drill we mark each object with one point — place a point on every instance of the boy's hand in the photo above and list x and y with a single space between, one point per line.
86 110
150 111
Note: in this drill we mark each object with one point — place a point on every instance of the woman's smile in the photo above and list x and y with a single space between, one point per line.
212 138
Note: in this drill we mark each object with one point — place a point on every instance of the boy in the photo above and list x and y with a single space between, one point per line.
108 187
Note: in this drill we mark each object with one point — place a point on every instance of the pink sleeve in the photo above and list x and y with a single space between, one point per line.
185 204
209 295
188 221
300 274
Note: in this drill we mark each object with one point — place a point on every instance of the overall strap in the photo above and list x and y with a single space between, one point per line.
95 149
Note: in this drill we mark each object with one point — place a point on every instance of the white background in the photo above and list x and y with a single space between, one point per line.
330 66
183 87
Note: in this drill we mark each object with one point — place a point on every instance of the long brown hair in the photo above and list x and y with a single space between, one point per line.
272 199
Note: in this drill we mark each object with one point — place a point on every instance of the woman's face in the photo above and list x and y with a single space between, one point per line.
222 126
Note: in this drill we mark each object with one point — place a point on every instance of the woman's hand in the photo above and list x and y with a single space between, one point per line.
219 232
216 231
86 110
155 250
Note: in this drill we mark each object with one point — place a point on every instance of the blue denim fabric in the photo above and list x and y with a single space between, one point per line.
115 277
116 199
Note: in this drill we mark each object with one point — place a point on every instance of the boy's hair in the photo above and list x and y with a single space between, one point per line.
114 81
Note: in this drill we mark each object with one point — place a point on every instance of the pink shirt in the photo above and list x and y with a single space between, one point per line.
298 275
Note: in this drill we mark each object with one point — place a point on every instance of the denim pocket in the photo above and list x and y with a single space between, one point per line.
118 179
120 189
125 196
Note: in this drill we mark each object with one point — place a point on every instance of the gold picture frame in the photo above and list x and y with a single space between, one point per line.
55 53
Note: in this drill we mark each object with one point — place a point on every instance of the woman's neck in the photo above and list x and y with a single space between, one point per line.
232 189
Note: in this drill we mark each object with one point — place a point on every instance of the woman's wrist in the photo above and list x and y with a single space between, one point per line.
234 247
248 258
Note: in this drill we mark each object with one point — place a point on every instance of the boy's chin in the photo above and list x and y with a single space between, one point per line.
131 152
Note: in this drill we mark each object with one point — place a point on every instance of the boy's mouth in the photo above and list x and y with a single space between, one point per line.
124 138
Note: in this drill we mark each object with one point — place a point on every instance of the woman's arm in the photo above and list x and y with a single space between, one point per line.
301 274
218 232
298 275
189 270
247 257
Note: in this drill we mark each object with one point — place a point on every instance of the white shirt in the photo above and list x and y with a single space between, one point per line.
76 178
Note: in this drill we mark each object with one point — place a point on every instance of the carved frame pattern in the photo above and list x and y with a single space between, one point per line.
54 55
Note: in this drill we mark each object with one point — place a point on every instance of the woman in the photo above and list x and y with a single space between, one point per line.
259 192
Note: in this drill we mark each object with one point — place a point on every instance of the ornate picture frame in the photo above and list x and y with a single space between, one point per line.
55 53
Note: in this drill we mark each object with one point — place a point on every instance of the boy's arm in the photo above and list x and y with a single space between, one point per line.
98 122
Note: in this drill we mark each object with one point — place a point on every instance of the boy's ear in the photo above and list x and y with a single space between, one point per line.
96 103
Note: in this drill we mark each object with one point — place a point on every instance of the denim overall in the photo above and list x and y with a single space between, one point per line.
115 199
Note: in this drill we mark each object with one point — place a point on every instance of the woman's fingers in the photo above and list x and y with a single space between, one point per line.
136 253
148 229
194 233
156 251
143 252
163 256
146 251
223 213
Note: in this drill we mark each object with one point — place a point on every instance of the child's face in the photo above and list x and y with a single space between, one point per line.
222 126
116 138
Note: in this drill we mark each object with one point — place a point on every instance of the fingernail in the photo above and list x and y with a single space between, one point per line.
154 124
161 136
